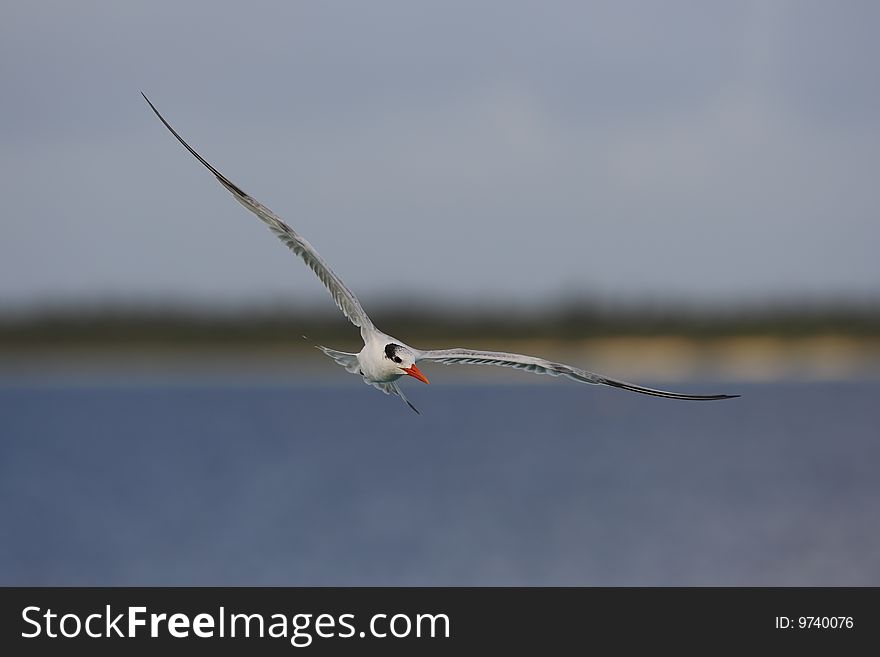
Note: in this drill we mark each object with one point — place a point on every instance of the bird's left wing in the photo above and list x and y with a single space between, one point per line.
542 366
344 298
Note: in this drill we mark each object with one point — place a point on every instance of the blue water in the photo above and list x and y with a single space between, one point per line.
527 484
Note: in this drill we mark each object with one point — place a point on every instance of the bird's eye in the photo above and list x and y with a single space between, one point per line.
397 359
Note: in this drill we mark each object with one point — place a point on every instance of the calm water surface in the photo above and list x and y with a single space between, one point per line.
525 484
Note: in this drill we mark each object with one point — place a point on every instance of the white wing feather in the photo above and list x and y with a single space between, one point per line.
344 298
542 366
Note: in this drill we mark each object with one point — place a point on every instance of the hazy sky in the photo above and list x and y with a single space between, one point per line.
476 150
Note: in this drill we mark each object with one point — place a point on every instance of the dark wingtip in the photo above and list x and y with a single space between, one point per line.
150 103
623 385
704 397
232 187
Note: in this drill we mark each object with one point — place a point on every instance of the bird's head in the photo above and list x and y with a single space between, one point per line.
405 360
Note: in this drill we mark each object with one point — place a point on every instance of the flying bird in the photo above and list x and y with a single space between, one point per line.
385 359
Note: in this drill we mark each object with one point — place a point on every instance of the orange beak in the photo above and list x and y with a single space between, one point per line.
416 373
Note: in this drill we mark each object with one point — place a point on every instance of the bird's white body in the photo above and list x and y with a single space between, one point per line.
384 359
374 366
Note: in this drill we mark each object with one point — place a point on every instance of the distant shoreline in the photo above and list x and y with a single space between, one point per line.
654 358
825 342
568 322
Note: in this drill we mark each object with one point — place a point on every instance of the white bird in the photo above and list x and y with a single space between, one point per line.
385 359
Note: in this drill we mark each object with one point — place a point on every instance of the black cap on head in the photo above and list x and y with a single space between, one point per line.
391 352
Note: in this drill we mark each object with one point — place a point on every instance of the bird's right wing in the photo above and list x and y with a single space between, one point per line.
542 366
344 298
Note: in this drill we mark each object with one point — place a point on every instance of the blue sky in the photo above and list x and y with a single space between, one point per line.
471 151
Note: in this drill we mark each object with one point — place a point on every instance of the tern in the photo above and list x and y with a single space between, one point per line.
385 359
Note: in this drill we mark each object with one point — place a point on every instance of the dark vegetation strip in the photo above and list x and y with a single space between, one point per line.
575 322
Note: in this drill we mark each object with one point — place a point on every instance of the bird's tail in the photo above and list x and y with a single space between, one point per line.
350 363
347 360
